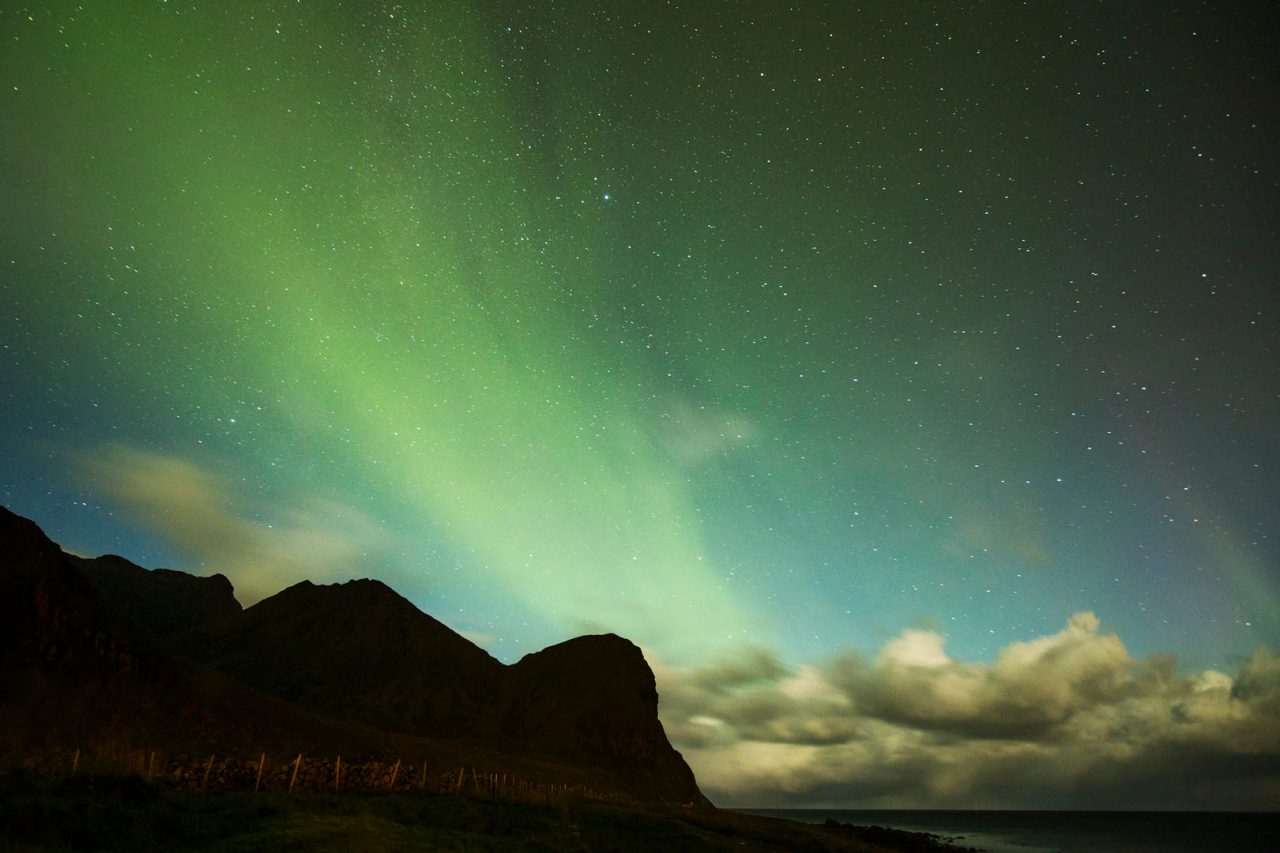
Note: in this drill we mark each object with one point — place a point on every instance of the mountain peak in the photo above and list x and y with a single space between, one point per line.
356 589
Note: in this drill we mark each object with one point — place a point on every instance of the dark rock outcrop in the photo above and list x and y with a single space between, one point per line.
595 697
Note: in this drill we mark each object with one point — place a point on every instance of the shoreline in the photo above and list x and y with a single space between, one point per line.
1070 831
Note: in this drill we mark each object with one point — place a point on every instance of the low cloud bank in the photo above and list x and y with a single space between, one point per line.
196 510
1069 720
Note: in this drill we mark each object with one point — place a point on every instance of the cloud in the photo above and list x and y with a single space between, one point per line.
1016 532
1069 720
483 639
195 509
752 697
693 434
1030 688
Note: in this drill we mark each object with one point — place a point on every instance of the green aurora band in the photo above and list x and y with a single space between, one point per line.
700 332
464 395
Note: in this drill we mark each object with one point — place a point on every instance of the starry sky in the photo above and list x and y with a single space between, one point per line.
902 378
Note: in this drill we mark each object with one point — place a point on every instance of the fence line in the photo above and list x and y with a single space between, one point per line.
308 773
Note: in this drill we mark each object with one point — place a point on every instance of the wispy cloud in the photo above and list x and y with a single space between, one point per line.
199 511
1069 720
693 434
1016 533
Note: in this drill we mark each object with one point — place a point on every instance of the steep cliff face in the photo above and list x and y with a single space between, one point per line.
33 577
595 697
312 656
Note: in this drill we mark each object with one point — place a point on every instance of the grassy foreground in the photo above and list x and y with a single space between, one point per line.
128 813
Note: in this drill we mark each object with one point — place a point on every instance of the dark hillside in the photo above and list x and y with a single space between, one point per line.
360 651
101 651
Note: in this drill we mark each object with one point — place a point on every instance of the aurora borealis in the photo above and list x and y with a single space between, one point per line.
792 344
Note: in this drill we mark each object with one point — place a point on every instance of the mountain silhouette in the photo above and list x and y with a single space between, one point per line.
360 651
105 648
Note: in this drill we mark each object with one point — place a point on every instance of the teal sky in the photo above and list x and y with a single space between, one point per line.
712 325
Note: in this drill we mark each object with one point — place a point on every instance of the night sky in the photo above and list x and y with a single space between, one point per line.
903 378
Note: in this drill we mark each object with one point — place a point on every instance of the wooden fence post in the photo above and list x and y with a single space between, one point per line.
208 767
258 783
395 771
297 762
337 775
75 762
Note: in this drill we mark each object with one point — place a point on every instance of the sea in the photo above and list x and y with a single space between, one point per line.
1070 832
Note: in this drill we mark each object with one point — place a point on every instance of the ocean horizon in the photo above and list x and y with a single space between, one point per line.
1067 831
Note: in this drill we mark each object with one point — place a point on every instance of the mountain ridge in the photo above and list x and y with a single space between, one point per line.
347 663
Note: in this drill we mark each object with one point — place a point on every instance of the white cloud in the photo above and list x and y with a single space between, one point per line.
1069 720
1031 687
915 648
